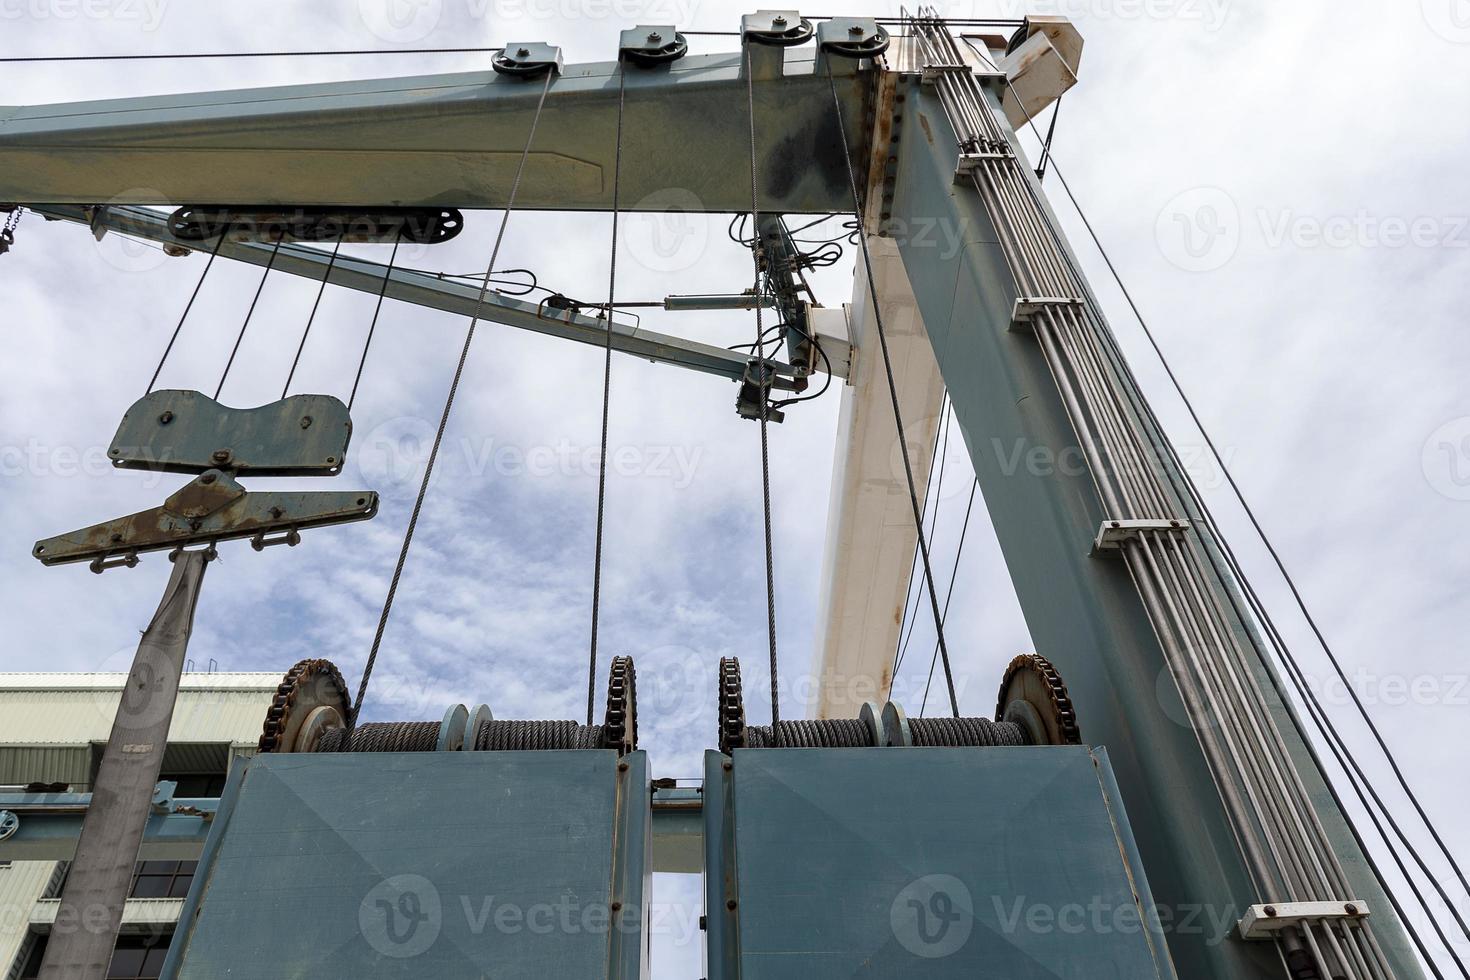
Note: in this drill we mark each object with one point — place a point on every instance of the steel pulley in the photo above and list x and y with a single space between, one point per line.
651 47
777 28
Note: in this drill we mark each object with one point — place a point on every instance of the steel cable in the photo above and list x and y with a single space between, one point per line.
275 250
448 407
377 309
612 278
185 315
331 262
763 384
908 467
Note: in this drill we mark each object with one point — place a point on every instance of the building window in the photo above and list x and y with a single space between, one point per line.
138 958
162 879
134 958
196 786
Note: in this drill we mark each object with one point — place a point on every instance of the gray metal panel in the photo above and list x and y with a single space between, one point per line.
440 864
188 432
935 862
450 140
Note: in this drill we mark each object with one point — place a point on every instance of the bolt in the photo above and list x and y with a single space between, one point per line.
855 30
730 904
523 53
1270 911
220 455
622 767
1350 909
331 459
306 421
165 418
728 765
616 906
276 512
116 537
1115 523
778 21
655 37
208 478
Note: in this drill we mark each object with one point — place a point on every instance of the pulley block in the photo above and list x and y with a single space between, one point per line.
652 46
776 28
527 59
852 37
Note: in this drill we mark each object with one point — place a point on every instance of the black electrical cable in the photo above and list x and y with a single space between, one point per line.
464 354
612 279
275 250
763 385
331 262
185 315
908 467
373 325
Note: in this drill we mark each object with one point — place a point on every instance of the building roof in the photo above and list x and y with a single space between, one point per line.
40 709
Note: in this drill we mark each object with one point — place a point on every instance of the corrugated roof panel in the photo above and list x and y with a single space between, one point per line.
21 764
36 716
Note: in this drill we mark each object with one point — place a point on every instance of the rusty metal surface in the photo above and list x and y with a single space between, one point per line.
212 508
176 431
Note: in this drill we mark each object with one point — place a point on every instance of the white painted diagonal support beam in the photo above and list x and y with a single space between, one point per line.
870 525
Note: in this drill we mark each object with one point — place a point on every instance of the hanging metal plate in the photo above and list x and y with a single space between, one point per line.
188 432
214 507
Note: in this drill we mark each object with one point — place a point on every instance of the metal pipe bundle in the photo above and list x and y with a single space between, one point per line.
1285 846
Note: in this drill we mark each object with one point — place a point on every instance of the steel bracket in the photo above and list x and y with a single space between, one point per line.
528 59
1112 534
969 163
1027 307
211 508
1266 921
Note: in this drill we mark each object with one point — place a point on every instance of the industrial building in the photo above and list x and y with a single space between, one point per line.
52 730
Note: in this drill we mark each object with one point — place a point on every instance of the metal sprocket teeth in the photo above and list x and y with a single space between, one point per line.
1033 695
310 700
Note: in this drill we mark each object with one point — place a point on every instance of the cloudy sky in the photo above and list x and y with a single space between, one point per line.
1283 187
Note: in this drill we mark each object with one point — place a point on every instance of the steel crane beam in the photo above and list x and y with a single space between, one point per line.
452 140
432 292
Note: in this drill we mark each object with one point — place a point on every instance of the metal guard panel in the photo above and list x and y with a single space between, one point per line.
414 865
937 863
177 431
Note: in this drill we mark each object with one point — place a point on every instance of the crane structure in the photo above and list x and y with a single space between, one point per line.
859 840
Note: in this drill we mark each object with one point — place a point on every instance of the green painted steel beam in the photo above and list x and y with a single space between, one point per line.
452 140
428 291
1083 610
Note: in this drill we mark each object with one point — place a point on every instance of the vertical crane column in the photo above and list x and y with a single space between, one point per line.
1114 578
